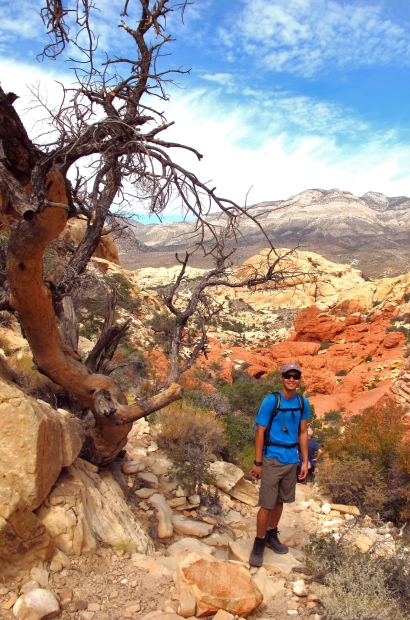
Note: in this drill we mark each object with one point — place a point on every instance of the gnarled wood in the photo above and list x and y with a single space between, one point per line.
33 301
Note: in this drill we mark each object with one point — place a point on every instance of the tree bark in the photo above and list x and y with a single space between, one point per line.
33 301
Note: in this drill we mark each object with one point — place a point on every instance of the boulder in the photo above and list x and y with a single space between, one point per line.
218 584
37 604
190 527
47 440
164 513
245 492
86 508
226 475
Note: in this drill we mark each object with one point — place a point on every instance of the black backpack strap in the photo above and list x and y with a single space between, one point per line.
272 417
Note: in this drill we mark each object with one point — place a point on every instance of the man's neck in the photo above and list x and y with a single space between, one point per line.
288 394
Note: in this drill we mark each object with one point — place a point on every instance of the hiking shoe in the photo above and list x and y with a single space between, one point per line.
256 557
272 541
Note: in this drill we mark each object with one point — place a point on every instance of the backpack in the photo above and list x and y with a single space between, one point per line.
267 442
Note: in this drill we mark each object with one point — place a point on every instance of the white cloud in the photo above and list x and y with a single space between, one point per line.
306 37
279 146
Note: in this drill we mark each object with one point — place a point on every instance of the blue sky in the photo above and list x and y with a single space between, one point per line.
283 95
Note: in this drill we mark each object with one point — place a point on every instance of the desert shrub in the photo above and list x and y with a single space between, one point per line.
191 436
333 417
240 434
341 373
376 435
163 324
209 400
327 428
364 586
368 358
359 592
325 344
353 481
124 288
232 326
247 393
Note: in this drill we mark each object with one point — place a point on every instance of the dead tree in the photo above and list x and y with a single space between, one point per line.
108 125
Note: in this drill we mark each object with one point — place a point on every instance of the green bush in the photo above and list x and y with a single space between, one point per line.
240 433
247 393
341 373
325 344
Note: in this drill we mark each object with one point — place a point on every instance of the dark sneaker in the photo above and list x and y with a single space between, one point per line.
272 541
256 557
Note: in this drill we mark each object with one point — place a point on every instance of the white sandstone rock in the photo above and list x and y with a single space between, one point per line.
227 475
190 527
165 527
37 605
299 587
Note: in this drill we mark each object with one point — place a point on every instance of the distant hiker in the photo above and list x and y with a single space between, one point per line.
281 422
313 448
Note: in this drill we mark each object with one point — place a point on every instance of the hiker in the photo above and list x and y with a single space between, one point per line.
313 448
283 415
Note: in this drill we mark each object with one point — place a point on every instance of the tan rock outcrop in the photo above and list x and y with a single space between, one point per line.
86 508
74 231
217 584
23 538
36 441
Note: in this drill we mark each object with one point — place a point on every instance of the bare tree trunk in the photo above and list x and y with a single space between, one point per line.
33 301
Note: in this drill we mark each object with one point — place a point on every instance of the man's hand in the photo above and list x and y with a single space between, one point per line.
303 471
256 471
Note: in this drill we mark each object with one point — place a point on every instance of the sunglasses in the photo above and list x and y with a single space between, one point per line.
288 375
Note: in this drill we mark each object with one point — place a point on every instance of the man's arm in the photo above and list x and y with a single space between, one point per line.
303 443
319 454
259 442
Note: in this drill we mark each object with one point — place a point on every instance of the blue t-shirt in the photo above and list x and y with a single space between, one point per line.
285 419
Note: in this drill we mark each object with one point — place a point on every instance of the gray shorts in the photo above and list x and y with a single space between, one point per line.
278 483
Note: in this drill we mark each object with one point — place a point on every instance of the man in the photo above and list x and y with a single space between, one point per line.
313 447
276 463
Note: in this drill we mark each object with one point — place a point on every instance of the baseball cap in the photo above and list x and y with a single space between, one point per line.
288 367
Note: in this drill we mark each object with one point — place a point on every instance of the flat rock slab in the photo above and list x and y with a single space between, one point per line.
191 545
190 527
241 550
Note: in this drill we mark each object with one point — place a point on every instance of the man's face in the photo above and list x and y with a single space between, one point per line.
290 380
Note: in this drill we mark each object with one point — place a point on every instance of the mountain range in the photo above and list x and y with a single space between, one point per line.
371 231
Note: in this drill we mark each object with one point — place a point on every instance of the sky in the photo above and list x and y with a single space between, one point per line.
282 95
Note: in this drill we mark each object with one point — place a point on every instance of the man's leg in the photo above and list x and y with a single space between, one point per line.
275 515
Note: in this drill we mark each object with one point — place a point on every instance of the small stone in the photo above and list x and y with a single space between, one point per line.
10 602
86 615
326 508
124 581
113 594
293 612
180 492
150 478
29 585
133 609
299 587
194 499
38 604
145 493
143 505
133 467
40 575
93 607
55 566
66 596
153 447
80 605
176 501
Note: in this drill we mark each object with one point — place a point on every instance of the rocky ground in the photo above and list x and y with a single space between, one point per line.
112 582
